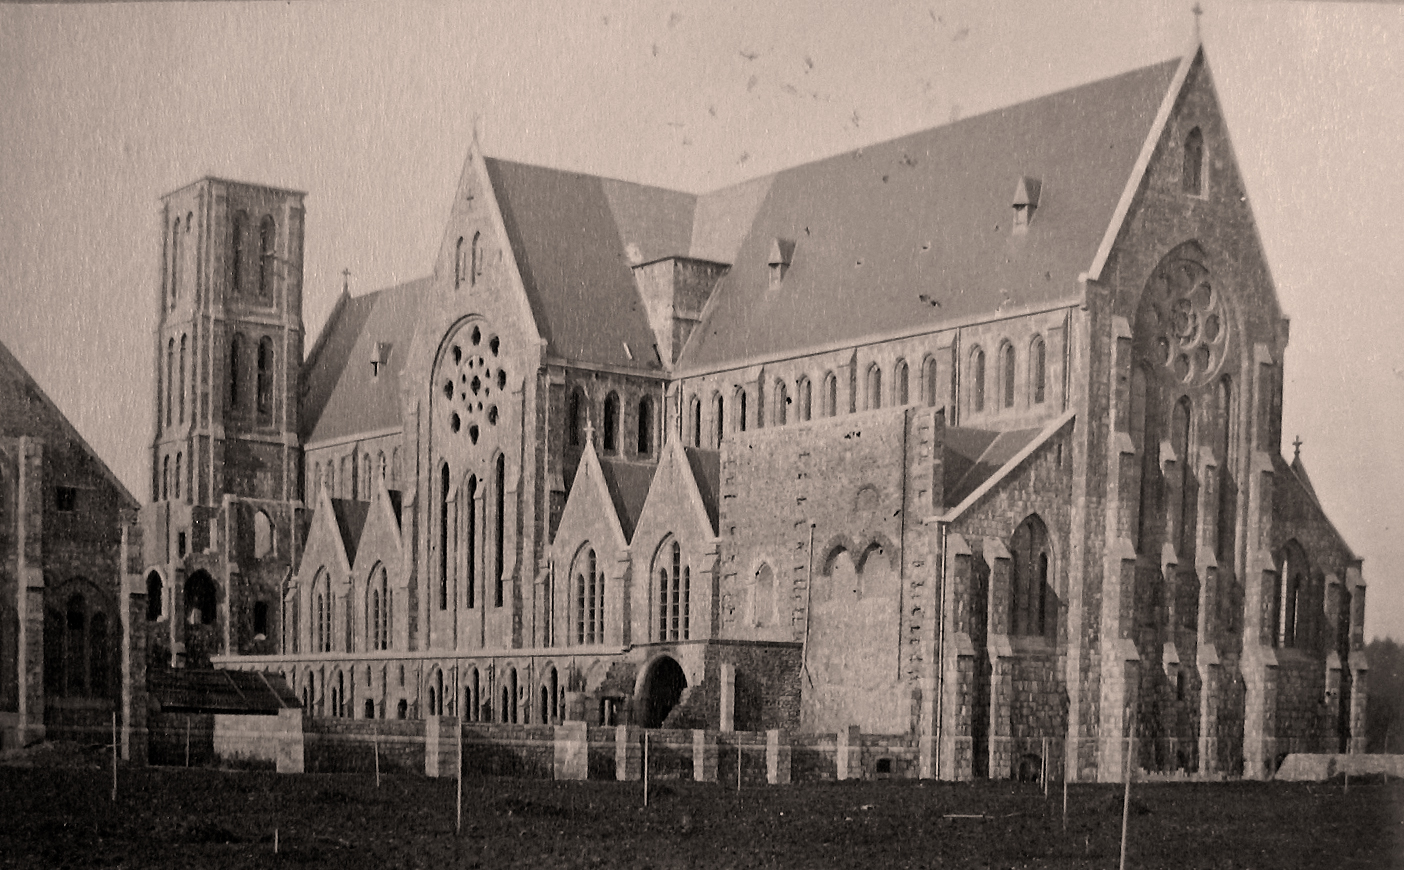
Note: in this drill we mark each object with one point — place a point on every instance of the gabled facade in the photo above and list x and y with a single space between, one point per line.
971 438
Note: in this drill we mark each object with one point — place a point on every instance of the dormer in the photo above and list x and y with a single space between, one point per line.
1025 202
380 357
782 252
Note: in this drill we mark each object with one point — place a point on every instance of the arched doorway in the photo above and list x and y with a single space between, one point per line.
662 687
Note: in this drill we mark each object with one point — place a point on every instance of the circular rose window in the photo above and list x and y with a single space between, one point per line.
1187 319
473 381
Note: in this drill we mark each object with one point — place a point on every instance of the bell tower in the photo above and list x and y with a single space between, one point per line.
225 456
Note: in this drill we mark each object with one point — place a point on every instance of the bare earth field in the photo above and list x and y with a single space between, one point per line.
56 811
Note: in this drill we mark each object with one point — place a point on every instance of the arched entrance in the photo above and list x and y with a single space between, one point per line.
662 686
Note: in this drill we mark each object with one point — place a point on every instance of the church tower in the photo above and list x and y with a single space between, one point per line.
225 456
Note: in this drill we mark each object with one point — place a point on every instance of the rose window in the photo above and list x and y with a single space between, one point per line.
473 381
1187 319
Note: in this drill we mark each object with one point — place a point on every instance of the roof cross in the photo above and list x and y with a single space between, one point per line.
1297 448
346 280
589 431
1198 13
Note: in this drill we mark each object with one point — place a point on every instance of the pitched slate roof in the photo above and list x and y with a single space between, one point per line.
929 214
342 396
706 470
350 522
220 691
575 238
628 484
972 456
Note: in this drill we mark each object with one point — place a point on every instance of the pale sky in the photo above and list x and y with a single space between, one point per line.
370 108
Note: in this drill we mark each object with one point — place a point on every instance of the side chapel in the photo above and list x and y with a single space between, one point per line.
971 437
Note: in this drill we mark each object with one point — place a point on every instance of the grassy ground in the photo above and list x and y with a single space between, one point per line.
56 811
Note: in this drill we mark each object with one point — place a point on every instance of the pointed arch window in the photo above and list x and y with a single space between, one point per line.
1192 175
575 413
1180 421
499 521
443 535
804 399
930 389
1228 491
695 416
1038 370
470 542
180 399
874 387
236 254
1006 365
900 394
170 373
175 483
645 433
739 409
477 264
672 596
611 423
265 377
263 535
175 262
1031 605
589 600
781 402
166 477
267 237
718 419
977 380
236 343
459 262
830 395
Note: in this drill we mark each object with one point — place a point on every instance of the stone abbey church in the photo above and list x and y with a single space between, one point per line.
971 438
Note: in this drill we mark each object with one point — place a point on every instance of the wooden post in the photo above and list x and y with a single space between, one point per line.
375 734
114 756
1126 801
275 841
1065 803
645 770
458 823
738 768
1046 768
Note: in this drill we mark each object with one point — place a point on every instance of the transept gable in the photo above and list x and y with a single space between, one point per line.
380 538
325 547
589 513
675 502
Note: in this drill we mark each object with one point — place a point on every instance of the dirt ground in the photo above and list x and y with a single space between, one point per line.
56 811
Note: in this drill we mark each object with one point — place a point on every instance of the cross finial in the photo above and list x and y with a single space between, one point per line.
1297 448
589 432
345 280
1198 13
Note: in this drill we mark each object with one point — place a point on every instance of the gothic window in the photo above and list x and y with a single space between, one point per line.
695 416
265 377
175 262
548 595
331 478
499 487
645 439
1180 420
929 373
830 394
263 535
181 397
1031 605
458 263
1038 370
365 477
805 399
175 483
443 535
471 542
236 254
1006 364
611 423
672 598
477 258
199 599
472 696
874 387
1292 614
977 380
153 597
780 403
260 620
165 477
576 415
75 665
267 236
1192 176
347 478
236 342
379 610
900 395
1227 519
739 410
718 424
380 465
1148 449
588 601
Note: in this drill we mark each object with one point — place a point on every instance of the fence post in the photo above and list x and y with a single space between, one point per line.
777 757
